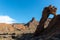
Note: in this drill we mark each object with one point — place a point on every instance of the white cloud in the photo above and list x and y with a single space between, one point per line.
7 19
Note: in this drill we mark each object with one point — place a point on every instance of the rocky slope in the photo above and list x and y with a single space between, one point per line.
52 32
24 31
31 25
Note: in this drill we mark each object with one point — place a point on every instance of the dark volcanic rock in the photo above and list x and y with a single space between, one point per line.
53 27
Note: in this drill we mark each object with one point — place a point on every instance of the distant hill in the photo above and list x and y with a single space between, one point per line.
5 28
31 25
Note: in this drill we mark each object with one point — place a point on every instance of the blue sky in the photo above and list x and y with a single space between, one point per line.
23 10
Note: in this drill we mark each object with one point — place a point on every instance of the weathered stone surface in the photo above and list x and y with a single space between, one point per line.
10 28
53 27
32 24
47 22
19 26
47 10
4 28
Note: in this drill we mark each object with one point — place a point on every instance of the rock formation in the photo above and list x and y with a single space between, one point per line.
47 10
19 26
53 27
47 22
32 22
49 28
11 28
5 28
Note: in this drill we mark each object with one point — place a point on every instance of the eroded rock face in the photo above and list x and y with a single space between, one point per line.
19 26
4 28
32 24
10 28
53 28
51 31
47 22
47 10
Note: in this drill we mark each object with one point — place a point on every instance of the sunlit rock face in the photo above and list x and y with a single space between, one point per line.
5 28
33 21
19 26
47 22
32 24
10 28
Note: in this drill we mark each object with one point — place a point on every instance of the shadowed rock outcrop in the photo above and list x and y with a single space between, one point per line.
46 12
53 28
50 32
